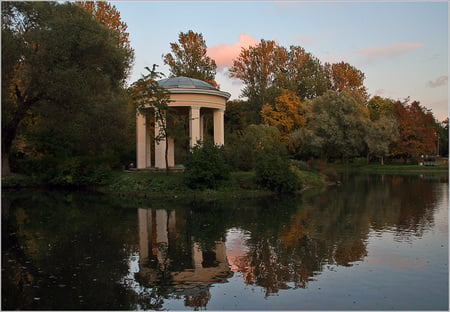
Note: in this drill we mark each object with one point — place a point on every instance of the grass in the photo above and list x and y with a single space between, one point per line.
162 184
390 168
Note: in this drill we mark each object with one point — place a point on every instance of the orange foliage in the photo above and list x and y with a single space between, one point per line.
287 114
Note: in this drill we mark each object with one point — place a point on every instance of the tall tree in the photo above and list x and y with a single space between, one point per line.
108 15
442 132
189 59
60 64
287 113
380 136
345 77
304 74
335 127
417 130
257 67
379 107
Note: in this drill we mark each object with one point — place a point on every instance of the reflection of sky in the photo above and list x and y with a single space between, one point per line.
236 247
410 273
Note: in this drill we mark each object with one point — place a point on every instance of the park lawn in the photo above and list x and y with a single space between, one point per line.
391 168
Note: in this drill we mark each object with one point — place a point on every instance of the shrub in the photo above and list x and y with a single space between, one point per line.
71 171
272 170
299 164
206 166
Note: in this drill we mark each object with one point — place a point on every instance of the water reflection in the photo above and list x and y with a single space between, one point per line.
169 255
63 250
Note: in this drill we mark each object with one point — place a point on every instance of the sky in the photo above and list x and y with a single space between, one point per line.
400 46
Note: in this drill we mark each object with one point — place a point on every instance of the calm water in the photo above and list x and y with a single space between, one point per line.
373 243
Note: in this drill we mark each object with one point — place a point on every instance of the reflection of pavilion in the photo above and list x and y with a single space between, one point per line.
168 254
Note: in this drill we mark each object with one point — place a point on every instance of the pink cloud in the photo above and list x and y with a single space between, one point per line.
224 53
441 81
374 54
380 91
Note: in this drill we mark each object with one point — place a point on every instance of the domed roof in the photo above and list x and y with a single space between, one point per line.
185 83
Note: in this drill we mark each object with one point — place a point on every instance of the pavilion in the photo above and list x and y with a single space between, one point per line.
193 97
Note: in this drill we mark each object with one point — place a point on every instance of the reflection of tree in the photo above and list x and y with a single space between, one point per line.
291 248
74 249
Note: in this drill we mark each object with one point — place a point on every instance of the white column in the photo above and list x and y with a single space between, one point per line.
219 138
194 125
171 152
142 142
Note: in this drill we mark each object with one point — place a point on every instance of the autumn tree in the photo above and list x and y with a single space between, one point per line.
257 67
287 113
417 130
189 58
146 93
304 74
61 65
345 77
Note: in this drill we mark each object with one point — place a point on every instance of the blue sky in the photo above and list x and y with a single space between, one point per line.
402 47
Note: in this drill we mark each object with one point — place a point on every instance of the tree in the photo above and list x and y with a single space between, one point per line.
304 74
107 15
417 130
335 126
287 113
381 133
345 77
60 65
257 67
147 93
189 59
379 107
442 132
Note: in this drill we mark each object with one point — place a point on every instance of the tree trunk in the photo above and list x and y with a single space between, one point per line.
382 160
5 164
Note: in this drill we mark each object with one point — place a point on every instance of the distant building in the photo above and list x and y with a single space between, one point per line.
193 98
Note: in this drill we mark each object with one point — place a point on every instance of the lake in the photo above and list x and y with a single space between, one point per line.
375 242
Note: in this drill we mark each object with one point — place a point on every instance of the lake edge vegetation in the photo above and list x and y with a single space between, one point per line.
68 116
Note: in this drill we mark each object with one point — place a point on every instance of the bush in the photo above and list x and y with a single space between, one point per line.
71 171
272 170
299 164
206 166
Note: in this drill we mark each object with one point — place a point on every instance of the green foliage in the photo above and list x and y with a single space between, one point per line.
242 150
206 166
189 58
72 171
63 81
273 171
335 127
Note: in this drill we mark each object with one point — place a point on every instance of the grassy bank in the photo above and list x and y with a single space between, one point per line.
154 184
162 184
391 168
